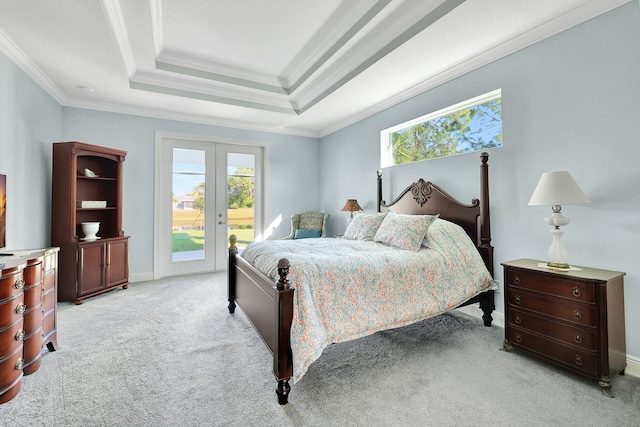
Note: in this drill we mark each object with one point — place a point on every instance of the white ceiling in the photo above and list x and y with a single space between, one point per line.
304 67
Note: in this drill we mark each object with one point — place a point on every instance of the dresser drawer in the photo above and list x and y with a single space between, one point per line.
576 359
33 319
11 338
11 372
12 310
11 284
578 337
552 285
580 314
48 280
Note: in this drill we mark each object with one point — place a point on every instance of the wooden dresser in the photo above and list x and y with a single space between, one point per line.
28 302
574 319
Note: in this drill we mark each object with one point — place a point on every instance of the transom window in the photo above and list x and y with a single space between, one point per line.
472 125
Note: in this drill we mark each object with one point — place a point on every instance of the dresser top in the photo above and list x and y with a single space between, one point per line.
582 273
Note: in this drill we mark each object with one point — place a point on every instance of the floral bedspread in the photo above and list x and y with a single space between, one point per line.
346 289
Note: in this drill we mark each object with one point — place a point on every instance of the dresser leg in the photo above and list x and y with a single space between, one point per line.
605 383
506 346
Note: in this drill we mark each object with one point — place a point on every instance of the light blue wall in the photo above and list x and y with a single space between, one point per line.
29 121
294 172
570 102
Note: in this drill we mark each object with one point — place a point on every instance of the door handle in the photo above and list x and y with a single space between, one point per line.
221 222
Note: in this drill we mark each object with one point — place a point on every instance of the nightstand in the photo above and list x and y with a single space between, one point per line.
574 319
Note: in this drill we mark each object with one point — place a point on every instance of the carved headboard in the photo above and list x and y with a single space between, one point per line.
426 198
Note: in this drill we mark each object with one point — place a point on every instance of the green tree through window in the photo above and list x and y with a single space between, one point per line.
473 125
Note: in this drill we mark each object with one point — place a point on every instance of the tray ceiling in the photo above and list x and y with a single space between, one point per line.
303 67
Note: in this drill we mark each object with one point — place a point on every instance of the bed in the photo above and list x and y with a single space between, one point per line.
297 326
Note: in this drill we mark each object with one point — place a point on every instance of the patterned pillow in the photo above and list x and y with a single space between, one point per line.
404 231
441 232
364 227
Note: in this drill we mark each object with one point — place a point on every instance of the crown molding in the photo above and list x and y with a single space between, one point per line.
185 117
562 23
30 68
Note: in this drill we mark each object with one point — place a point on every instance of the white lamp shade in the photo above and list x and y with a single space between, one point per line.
557 188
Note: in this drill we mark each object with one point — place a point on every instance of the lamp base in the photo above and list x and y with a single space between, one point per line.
557 255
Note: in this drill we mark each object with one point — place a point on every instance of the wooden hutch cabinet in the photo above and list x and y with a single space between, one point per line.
87 187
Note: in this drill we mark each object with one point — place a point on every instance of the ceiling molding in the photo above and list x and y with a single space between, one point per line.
30 68
335 54
153 113
115 21
526 39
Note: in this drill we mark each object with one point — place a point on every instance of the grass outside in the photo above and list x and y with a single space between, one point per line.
188 239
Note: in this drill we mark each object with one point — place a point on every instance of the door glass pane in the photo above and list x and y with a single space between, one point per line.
241 197
188 225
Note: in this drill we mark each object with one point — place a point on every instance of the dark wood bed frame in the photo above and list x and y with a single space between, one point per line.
269 306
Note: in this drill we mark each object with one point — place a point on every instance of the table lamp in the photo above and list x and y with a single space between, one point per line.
351 206
556 189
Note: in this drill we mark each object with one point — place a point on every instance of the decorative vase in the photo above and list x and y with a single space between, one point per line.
90 229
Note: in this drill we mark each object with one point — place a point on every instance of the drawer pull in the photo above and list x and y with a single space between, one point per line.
20 308
516 280
517 299
518 320
518 338
578 360
19 284
576 292
19 364
577 315
578 338
20 335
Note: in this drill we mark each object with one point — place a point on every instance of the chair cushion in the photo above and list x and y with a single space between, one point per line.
304 233
311 220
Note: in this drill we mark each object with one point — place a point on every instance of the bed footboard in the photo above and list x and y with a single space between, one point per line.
269 308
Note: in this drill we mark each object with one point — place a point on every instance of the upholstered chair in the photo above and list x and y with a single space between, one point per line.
308 221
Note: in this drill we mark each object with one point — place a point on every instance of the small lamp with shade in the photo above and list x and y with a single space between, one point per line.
556 189
351 206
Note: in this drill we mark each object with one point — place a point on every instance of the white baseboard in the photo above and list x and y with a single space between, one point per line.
633 364
633 367
140 277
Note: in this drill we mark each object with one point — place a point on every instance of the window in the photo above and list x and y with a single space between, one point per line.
472 125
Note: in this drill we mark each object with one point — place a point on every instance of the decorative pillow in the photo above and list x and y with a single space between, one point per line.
404 231
303 233
364 227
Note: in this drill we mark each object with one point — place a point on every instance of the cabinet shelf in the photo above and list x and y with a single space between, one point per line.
95 178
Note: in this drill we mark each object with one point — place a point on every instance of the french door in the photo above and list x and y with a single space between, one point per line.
205 191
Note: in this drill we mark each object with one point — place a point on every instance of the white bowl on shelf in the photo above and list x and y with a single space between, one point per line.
90 229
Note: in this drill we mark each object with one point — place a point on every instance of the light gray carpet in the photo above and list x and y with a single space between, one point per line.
168 353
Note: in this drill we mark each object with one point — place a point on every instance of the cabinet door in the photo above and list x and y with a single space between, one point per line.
90 267
117 271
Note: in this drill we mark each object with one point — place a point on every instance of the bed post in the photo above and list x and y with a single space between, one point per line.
379 173
282 357
231 285
487 303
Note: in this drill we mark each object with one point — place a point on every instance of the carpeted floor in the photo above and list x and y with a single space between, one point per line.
168 353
